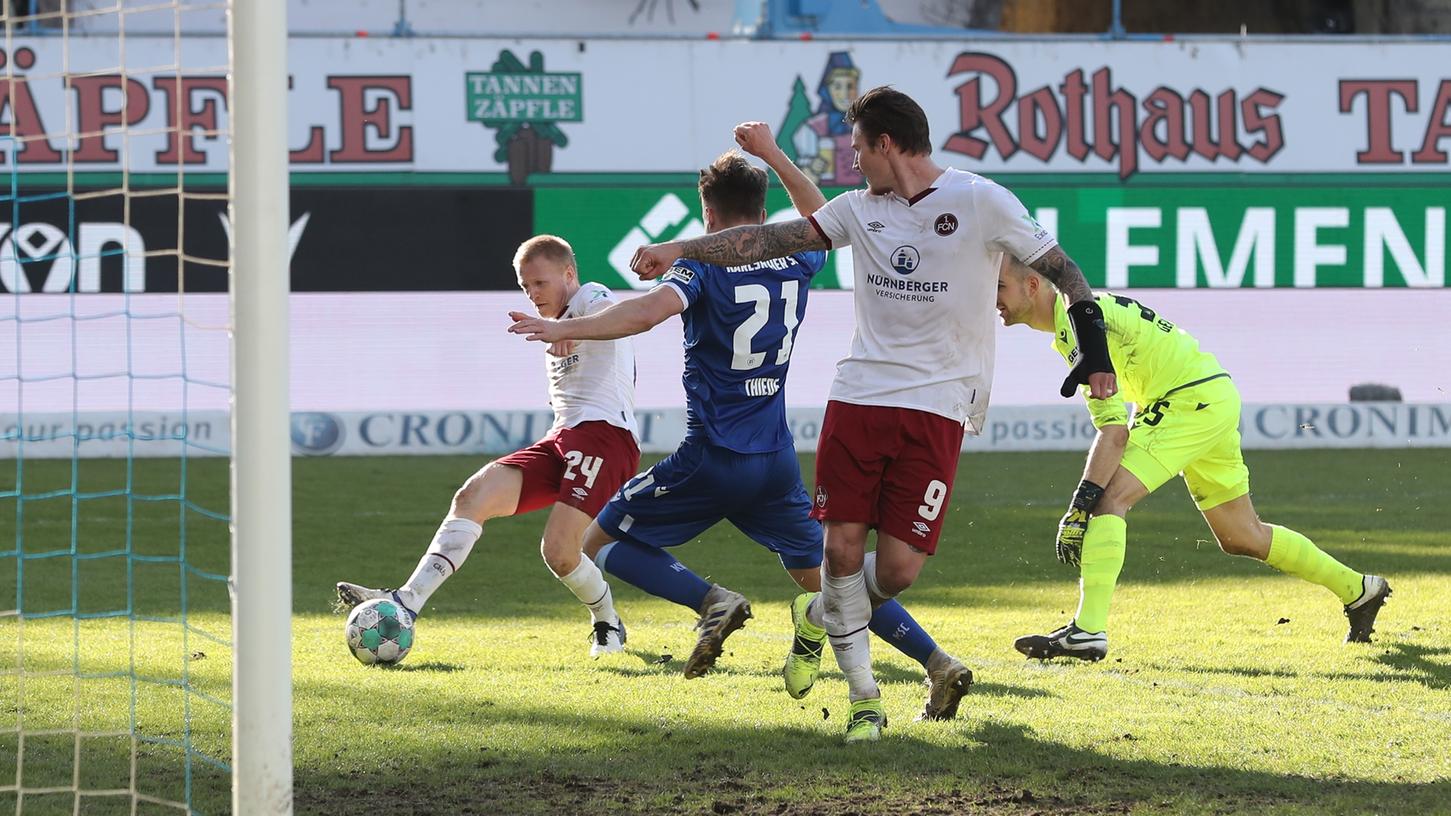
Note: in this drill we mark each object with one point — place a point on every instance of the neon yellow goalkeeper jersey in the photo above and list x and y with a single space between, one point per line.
1151 356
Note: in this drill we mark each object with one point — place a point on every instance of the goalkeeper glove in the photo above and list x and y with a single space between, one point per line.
1075 522
1088 328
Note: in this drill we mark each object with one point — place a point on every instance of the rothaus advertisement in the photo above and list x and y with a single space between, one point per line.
1194 163
570 106
489 433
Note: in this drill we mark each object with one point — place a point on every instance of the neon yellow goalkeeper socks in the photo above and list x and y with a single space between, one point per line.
1103 557
1294 554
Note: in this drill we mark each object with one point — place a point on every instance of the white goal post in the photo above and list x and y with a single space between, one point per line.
261 464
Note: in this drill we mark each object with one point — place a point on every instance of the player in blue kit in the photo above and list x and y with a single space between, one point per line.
738 461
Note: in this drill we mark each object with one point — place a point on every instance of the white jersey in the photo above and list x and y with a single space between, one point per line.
926 275
596 381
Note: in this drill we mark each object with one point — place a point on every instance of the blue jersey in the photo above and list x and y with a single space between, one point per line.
740 323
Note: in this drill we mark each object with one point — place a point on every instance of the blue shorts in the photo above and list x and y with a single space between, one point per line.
700 484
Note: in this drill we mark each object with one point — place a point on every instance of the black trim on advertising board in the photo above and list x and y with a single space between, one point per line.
342 239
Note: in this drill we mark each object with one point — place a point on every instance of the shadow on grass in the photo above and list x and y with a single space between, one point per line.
626 765
432 666
1409 662
1414 662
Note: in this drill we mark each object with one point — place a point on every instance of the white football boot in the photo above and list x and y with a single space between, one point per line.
607 638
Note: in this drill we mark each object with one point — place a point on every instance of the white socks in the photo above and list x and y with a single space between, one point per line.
452 544
869 571
846 611
814 614
588 585
446 553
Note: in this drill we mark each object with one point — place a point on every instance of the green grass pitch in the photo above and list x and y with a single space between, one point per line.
1227 689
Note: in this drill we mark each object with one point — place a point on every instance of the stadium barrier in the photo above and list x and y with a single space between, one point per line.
420 433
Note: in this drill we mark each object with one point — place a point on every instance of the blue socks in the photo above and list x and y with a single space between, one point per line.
655 571
894 624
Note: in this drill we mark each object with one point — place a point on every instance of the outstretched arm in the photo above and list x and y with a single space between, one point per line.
732 247
755 138
620 320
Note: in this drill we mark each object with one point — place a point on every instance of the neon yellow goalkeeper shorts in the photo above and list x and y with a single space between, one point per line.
1192 431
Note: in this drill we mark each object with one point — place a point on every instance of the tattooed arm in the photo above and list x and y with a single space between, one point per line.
732 247
1057 267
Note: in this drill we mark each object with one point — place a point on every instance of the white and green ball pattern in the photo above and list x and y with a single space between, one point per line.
379 632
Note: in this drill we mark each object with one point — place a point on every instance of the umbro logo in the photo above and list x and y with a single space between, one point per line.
921 528
580 493
875 226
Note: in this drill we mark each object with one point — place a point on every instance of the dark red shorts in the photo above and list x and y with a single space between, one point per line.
891 468
581 466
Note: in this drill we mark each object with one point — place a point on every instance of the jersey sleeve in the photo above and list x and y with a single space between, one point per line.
832 219
687 279
1007 226
597 299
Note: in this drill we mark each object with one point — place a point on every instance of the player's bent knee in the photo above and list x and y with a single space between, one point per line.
595 539
1252 541
892 582
1232 546
894 576
560 554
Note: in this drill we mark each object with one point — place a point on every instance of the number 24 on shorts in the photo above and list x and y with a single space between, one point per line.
589 466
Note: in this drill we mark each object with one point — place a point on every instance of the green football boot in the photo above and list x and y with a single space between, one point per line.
866 721
803 662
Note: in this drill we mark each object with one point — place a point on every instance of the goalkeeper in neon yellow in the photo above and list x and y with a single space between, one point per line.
1186 422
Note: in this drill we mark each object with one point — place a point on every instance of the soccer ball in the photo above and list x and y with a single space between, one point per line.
380 632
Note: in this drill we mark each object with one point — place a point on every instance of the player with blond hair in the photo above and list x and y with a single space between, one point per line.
587 454
738 462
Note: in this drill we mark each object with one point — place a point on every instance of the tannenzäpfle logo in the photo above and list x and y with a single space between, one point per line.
524 104
946 224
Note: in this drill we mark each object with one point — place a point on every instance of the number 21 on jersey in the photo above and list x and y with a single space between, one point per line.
742 358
